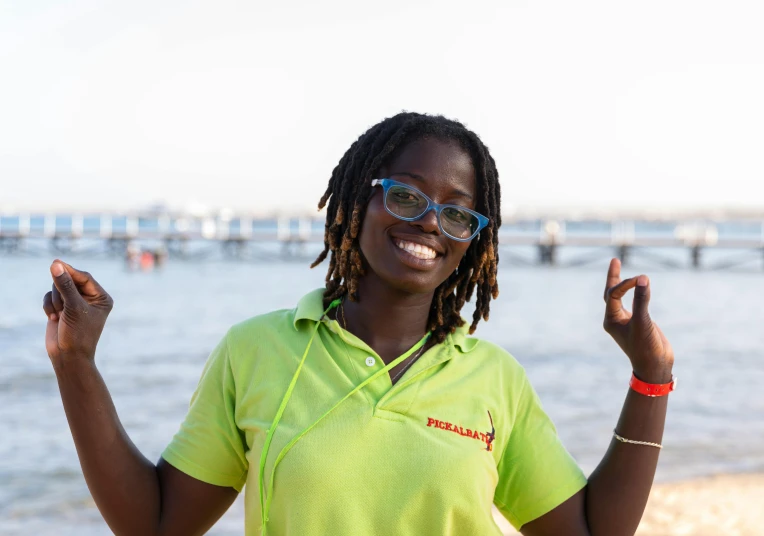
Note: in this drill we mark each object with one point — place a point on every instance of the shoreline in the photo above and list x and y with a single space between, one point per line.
730 504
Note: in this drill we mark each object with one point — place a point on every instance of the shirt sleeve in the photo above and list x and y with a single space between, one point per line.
209 446
536 472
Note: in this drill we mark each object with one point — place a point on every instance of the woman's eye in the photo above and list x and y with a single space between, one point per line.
458 215
405 196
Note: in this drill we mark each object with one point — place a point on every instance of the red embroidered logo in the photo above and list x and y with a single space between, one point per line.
486 437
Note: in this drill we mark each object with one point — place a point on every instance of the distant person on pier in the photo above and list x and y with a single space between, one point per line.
147 260
132 256
368 409
160 256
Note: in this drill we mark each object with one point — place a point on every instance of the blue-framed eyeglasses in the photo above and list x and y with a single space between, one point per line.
409 204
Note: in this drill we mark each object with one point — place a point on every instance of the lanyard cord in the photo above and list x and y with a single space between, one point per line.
265 504
277 418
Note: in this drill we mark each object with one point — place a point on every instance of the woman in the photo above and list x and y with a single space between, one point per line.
367 409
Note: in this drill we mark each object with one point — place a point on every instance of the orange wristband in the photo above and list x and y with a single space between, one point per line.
652 389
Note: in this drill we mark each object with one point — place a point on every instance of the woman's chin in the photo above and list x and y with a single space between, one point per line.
410 281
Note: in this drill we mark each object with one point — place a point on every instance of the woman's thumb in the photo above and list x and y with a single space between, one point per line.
65 285
642 298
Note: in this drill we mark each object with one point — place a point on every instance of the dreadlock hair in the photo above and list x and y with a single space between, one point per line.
349 191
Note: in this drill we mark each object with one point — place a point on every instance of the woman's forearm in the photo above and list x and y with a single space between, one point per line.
620 485
124 484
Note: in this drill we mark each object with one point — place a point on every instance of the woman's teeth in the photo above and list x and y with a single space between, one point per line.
417 250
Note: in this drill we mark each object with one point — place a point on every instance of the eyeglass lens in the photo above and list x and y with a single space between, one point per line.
407 203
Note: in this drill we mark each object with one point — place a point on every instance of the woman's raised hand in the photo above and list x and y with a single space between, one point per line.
651 355
77 309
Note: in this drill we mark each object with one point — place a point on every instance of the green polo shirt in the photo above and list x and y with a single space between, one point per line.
413 458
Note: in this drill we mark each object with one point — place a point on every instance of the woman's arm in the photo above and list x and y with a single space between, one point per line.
615 497
620 485
614 500
133 495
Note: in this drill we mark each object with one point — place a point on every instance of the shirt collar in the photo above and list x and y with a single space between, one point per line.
311 307
461 339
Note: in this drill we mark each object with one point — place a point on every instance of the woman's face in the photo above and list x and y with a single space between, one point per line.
443 170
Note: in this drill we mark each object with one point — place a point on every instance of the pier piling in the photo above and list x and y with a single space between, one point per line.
623 254
695 256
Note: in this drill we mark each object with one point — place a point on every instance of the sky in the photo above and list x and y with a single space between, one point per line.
108 105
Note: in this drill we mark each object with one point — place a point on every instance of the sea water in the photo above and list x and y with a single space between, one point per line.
165 323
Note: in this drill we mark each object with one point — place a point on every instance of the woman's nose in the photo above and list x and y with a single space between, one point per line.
428 223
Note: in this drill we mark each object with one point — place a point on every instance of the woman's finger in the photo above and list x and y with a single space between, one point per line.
613 276
56 300
86 285
620 290
47 304
613 296
51 336
68 290
641 298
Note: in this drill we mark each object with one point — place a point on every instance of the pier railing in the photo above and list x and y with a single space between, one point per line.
118 232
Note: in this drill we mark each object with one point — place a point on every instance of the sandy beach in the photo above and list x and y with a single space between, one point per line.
725 505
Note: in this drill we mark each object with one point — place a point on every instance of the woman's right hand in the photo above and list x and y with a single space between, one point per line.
77 308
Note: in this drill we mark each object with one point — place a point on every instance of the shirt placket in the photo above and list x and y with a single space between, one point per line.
399 399
387 400
364 362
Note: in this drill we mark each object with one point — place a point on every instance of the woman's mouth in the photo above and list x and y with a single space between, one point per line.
417 250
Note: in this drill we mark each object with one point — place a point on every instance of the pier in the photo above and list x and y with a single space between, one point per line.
249 238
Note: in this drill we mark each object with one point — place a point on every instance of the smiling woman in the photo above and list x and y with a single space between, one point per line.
368 409
450 163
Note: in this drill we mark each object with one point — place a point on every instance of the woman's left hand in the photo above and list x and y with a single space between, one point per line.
651 355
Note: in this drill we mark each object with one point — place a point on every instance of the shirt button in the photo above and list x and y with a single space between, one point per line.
370 361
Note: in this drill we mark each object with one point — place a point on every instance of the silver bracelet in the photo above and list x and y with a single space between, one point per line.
646 443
